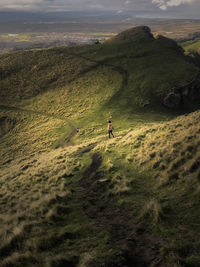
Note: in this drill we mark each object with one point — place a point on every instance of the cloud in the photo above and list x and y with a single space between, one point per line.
152 8
75 4
165 4
20 4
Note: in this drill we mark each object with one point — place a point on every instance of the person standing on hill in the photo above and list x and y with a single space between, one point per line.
110 129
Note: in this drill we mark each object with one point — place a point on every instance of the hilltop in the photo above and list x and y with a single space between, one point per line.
136 33
73 198
144 65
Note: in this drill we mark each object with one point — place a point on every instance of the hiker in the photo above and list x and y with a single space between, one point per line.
110 128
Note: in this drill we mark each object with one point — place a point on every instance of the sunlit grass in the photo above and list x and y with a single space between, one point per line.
150 169
44 185
191 46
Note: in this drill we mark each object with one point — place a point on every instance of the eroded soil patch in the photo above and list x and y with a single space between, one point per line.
136 245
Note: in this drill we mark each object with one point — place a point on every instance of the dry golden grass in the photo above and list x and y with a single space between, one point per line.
75 98
30 134
171 148
34 186
151 170
152 210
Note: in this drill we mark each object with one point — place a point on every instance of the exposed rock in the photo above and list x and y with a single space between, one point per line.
172 100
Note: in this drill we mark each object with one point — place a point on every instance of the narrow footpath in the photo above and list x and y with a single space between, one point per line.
135 243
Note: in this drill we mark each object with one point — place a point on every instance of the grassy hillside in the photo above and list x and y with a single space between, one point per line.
145 64
191 46
73 198
89 84
140 196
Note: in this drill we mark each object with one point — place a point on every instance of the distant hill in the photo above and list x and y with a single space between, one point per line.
153 71
133 34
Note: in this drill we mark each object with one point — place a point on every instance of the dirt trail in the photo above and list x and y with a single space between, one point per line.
138 247
67 137
132 240
63 140
124 73
12 108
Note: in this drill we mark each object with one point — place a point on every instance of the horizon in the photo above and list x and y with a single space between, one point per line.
90 14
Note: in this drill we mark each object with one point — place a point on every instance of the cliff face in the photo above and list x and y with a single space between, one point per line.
186 97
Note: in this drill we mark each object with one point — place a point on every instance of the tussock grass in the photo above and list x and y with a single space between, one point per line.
152 211
119 184
74 100
42 195
18 259
150 169
32 72
163 148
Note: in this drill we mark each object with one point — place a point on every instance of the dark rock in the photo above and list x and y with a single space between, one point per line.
172 100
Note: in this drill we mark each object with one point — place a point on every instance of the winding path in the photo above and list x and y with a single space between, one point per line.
67 137
124 73
136 244
136 248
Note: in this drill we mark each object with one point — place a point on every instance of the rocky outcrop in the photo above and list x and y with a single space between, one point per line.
135 33
186 96
172 100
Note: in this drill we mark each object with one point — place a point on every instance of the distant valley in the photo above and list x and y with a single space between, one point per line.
21 30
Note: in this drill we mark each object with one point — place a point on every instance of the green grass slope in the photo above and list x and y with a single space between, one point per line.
81 199
137 204
88 84
145 64
191 46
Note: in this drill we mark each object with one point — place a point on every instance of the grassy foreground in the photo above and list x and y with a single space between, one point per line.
57 210
81 199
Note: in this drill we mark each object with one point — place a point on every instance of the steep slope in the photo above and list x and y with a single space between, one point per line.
76 198
135 203
191 46
145 64
133 34
128 78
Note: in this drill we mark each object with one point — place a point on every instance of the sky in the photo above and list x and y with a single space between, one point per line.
156 8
